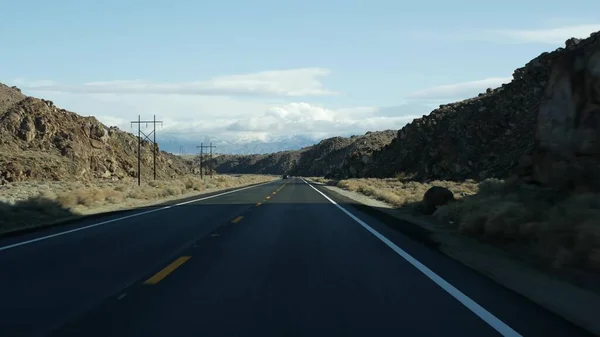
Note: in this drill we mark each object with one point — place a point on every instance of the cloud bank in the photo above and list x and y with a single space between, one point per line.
556 35
290 83
458 90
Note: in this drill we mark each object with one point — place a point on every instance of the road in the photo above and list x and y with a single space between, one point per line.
284 258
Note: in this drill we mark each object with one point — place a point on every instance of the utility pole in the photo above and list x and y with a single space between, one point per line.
202 146
210 163
201 154
146 137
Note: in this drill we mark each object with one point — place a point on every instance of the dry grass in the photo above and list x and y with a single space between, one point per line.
561 229
397 192
27 203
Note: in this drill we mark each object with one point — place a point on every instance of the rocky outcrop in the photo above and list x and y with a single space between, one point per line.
566 155
9 96
41 141
492 135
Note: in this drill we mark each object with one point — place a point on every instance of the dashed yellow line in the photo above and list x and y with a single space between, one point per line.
258 204
238 219
167 270
273 193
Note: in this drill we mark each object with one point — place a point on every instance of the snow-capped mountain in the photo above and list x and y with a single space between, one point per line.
174 144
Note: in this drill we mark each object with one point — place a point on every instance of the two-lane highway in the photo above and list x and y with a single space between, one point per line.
279 259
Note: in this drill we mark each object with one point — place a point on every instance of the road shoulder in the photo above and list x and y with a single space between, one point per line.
577 305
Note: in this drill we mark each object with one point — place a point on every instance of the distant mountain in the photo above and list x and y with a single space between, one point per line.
335 157
173 144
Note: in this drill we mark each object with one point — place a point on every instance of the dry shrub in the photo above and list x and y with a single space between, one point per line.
224 181
195 184
562 229
114 196
28 212
89 197
210 184
121 188
173 188
67 199
144 192
154 183
320 180
402 193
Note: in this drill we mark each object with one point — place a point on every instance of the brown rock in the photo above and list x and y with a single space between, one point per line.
27 130
435 197
96 144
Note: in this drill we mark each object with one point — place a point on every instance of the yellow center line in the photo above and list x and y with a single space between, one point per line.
274 192
167 270
268 197
238 219
258 204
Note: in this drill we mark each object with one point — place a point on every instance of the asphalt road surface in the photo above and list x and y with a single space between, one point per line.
279 259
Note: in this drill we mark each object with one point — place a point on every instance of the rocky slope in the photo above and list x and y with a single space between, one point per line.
41 141
492 135
566 155
337 156
499 133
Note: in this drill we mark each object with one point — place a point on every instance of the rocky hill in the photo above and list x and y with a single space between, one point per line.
492 135
41 141
335 156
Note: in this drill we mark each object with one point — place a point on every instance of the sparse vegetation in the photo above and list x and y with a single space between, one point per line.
33 203
563 230
399 192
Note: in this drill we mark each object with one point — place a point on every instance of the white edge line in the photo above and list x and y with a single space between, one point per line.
123 218
478 310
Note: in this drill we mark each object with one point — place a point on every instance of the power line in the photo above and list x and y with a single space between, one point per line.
146 137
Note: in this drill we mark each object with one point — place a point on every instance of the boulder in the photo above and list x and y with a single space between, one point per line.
435 197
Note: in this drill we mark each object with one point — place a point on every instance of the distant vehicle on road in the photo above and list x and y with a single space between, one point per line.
285 176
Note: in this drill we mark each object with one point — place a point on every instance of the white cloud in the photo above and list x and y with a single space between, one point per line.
551 35
194 118
556 35
460 90
292 82
305 118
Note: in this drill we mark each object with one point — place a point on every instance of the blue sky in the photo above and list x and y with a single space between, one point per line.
264 69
